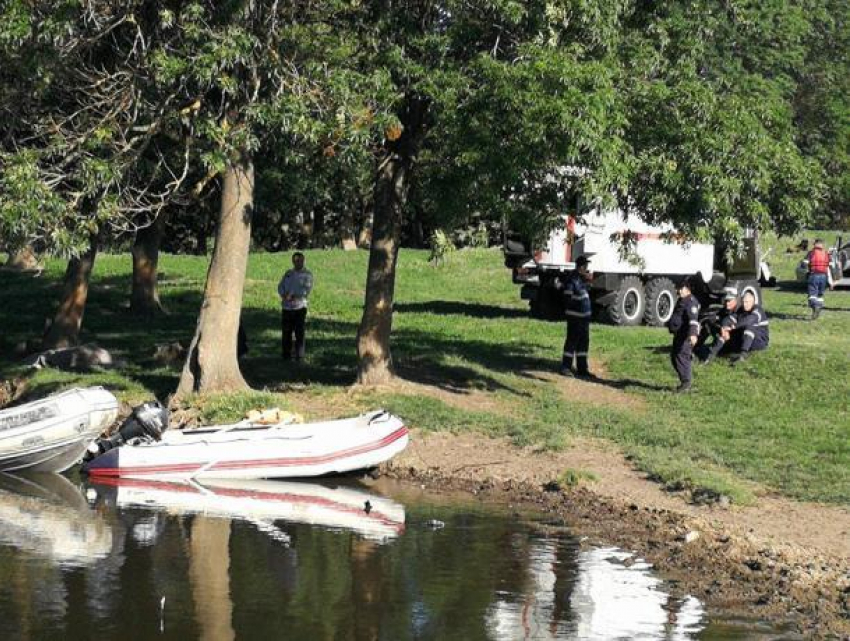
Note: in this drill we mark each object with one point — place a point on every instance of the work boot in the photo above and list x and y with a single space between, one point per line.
737 358
565 371
684 387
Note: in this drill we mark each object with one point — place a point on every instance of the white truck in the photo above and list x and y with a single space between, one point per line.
628 287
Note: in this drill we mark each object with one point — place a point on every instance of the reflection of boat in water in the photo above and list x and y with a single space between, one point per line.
46 515
51 434
264 502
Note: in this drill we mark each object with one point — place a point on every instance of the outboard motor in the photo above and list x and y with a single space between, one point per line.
148 420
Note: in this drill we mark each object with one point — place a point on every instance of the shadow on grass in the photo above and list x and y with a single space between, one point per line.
446 307
790 286
788 317
625 383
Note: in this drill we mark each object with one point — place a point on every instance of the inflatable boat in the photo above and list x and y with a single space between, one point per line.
143 449
51 434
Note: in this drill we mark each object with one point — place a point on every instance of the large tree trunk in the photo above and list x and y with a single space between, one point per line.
23 259
317 241
64 331
144 298
211 363
375 365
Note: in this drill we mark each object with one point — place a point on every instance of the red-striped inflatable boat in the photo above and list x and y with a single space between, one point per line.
247 451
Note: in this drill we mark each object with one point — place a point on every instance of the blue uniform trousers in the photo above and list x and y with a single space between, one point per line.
817 286
577 344
681 356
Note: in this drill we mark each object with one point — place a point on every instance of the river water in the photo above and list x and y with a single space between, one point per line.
285 560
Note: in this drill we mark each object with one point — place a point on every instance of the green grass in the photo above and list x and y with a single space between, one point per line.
780 421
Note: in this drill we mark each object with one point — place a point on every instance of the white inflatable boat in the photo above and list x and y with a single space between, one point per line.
249 451
51 434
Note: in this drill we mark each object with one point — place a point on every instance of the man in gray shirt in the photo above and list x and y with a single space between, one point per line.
294 289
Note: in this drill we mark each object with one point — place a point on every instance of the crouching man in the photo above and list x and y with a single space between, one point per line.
722 326
753 329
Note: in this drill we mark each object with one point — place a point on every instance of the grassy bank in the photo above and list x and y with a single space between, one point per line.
780 421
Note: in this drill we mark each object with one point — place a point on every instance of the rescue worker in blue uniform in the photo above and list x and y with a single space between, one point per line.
752 331
684 325
578 311
723 324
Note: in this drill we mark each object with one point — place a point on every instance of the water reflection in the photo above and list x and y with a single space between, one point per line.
45 515
601 593
304 561
262 503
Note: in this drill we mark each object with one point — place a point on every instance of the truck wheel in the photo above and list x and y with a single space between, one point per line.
629 303
660 301
745 286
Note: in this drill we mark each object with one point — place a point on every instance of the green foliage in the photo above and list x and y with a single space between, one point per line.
573 478
442 247
711 125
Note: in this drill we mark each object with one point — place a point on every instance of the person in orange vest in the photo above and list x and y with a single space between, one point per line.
817 261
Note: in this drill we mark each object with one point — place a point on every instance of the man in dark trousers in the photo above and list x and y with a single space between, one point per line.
684 325
753 329
294 288
819 276
579 311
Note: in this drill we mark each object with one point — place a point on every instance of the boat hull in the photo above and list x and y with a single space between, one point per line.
51 435
280 451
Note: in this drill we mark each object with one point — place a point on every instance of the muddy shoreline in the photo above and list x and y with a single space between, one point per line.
738 570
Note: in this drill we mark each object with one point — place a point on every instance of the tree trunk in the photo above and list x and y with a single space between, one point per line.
364 237
23 259
375 365
144 298
318 239
64 331
211 363
347 237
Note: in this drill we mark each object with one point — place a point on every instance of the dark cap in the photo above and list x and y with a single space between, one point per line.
688 282
582 261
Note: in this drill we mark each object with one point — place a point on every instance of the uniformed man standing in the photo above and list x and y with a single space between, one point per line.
684 325
294 288
579 311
